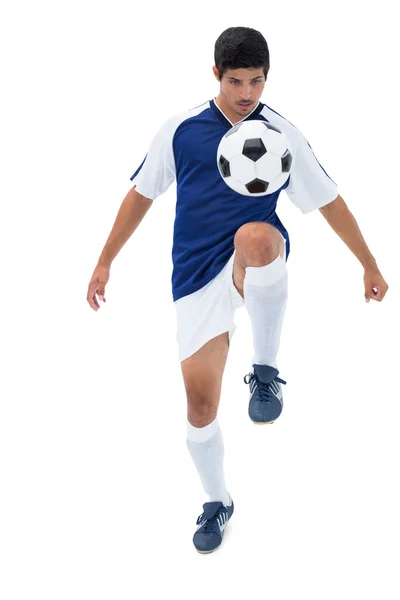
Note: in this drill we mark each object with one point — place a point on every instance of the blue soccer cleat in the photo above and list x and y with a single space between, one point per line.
266 401
211 526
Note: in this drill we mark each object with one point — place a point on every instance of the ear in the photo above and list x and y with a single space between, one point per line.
215 71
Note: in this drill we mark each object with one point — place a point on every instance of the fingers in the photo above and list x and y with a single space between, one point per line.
95 287
91 298
376 293
368 294
100 291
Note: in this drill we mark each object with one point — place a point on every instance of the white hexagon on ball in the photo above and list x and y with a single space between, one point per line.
276 142
268 167
243 169
231 146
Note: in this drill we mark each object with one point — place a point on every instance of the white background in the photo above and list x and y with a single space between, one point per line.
99 496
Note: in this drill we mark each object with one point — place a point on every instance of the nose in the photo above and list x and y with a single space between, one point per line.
245 93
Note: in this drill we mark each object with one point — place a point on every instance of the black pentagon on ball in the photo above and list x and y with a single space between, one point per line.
254 149
234 129
257 186
269 126
224 166
286 162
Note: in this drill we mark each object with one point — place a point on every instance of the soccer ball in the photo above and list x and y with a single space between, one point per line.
254 158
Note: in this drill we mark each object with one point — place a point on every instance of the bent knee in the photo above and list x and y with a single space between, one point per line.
260 233
258 241
201 410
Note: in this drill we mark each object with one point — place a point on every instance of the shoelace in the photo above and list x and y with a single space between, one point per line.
209 524
264 391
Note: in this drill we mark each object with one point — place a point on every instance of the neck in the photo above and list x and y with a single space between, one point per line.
230 114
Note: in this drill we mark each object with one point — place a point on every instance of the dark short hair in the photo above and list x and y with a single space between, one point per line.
241 48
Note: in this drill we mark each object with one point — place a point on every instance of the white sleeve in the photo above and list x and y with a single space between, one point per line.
157 171
310 187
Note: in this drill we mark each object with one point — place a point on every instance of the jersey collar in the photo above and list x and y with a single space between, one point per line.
221 116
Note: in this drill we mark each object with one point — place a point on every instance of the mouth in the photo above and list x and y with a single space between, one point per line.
244 103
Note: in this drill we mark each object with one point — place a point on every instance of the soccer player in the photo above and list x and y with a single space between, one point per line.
227 253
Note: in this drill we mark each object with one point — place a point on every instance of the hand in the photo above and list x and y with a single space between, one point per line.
97 284
375 286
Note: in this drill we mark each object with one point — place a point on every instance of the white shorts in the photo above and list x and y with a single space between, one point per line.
210 311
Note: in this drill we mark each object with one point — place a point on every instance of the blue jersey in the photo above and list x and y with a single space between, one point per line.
208 211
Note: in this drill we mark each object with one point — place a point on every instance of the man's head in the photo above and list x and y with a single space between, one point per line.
241 66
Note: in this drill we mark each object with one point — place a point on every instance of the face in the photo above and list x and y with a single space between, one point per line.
240 91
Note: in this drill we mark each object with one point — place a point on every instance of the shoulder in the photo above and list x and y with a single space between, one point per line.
294 135
188 113
171 125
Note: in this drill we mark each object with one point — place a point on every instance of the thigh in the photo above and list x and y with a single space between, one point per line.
204 315
202 373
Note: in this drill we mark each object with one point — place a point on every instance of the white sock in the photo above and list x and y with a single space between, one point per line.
206 448
265 297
